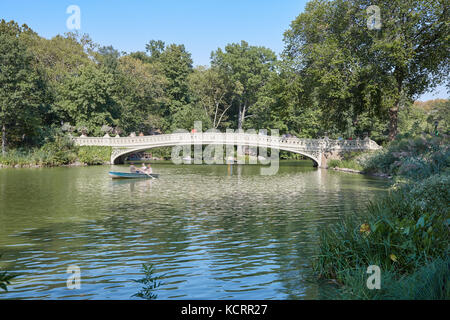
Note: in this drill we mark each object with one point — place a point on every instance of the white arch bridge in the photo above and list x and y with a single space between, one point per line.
318 150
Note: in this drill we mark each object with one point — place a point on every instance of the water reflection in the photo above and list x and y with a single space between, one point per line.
213 235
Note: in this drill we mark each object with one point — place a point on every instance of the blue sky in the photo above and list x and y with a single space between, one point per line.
201 25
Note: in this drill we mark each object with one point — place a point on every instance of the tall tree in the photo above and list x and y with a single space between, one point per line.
87 99
355 69
213 93
248 68
155 48
59 58
140 93
176 64
281 106
108 58
22 88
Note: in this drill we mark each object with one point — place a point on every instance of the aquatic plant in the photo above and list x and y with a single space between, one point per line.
150 283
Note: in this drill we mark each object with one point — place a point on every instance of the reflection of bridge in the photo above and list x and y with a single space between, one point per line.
319 150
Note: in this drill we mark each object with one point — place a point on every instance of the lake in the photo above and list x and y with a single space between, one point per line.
208 233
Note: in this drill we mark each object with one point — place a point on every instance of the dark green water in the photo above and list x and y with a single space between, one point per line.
212 236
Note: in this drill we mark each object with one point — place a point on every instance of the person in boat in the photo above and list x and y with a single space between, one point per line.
132 168
149 169
142 169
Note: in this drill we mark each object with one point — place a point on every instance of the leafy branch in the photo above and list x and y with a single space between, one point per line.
150 283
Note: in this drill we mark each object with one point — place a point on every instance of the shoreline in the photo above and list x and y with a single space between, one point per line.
379 175
36 166
82 164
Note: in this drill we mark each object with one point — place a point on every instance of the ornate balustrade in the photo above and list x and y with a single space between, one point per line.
313 148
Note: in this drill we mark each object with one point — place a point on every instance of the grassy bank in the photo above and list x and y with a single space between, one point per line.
405 233
59 152
350 162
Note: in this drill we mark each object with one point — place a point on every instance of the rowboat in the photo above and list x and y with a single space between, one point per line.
132 175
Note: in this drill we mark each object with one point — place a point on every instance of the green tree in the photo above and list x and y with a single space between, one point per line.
354 69
280 106
422 117
22 89
87 99
176 64
58 58
108 58
185 118
140 93
61 56
213 93
155 48
140 55
247 68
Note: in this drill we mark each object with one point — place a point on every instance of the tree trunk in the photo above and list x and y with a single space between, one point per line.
393 112
3 139
393 121
240 118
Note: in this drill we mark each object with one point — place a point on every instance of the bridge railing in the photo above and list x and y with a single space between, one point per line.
227 138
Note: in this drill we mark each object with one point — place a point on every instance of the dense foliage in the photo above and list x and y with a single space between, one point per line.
405 233
58 152
357 72
335 76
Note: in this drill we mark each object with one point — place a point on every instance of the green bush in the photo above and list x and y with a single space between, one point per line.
411 158
58 152
430 281
399 233
349 164
16 157
94 155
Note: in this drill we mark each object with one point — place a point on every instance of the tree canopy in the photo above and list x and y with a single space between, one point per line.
355 71
340 74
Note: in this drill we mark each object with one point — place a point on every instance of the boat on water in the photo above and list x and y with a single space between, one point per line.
132 175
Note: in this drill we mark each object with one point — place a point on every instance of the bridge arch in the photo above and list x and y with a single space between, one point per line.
118 154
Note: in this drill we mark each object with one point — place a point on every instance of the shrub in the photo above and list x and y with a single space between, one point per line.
412 158
94 155
58 152
333 163
399 233
430 281
349 164
14 157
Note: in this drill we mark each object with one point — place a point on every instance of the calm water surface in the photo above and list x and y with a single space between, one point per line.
211 235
